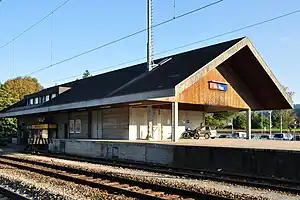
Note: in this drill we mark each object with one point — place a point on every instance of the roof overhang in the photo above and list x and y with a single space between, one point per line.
246 62
243 60
93 103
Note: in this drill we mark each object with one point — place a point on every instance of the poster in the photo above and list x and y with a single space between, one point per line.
78 126
71 126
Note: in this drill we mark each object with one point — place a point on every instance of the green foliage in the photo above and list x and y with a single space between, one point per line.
297 110
219 119
239 122
288 118
288 115
16 89
223 115
11 92
86 74
259 120
211 121
8 127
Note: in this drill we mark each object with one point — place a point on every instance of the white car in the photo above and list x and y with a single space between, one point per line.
282 136
207 132
239 135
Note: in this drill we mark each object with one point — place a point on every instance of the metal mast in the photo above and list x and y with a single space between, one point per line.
149 34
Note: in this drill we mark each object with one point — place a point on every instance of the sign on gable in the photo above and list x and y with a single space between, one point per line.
216 85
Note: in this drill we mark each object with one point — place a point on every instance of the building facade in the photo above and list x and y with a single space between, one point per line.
133 103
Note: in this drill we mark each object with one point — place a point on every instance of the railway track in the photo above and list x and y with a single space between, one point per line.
10 195
284 185
111 184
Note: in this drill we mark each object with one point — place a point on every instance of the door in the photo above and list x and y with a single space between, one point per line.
66 130
156 130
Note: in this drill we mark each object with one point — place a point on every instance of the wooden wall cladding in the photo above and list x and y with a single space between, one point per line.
199 93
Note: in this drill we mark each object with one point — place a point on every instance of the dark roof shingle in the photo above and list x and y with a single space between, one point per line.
137 79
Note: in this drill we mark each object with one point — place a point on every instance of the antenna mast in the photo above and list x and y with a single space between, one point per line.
149 35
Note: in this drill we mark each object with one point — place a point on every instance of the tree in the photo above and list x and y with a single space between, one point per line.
288 115
259 120
239 122
211 121
11 92
17 88
86 74
297 110
219 119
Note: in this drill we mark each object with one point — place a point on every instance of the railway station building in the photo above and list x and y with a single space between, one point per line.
134 103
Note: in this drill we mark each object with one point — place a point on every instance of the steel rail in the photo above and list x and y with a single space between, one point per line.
285 185
115 184
11 194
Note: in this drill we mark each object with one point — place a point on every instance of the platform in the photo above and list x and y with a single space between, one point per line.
218 142
259 157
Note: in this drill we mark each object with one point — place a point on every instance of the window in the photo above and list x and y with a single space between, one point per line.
53 96
78 126
31 102
72 126
47 98
36 100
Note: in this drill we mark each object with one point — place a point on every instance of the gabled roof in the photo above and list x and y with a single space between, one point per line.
117 86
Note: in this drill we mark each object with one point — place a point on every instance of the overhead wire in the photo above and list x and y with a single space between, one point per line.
35 24
13 58
196 42
51 39
124 37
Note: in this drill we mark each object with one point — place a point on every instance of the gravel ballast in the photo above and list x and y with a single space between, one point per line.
37 186
204 186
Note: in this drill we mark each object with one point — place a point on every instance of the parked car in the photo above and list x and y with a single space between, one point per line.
265 137
239 135
223 136
255 136
206 132
297 137
282 136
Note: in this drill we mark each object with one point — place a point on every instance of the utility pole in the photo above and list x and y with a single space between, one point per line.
149 63
232 126
149 35
270 121
280 121
262 122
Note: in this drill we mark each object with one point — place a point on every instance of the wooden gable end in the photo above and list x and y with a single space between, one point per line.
202 93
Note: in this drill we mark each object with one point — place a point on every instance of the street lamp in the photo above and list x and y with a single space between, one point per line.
270 121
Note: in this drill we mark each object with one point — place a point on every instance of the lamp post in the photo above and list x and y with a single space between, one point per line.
270 121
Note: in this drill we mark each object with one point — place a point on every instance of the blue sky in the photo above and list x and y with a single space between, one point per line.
82 25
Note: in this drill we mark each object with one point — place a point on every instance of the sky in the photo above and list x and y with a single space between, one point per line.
82 25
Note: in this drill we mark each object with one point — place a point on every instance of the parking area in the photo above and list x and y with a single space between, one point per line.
261 136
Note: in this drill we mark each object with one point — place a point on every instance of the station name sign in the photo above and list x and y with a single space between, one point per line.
42 126
216 85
